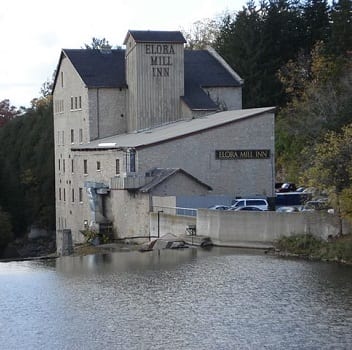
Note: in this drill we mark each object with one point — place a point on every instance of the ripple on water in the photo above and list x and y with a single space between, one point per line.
183 299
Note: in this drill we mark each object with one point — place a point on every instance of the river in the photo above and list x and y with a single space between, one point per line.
175 299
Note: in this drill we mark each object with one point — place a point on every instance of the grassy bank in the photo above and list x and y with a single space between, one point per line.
310 247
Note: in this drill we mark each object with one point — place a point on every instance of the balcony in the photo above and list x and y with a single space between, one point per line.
129 182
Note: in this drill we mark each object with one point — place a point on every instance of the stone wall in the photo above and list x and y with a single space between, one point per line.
229 227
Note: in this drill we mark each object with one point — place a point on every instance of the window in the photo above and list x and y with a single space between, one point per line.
79 102
98 166
132 161
62 79
80 193
59 165
63 165
71 102
72 167
76 102
64 194
85 167
63 138
72 136
73 195
60 194
117 166
80 135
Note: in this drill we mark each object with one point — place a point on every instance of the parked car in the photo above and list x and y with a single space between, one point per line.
247 208
219 207
287 187
250 202
316 205
287 210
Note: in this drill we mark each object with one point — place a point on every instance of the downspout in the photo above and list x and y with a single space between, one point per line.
98 115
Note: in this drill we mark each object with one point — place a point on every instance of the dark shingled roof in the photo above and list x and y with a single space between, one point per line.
106 68
99 68
158 175
151 36
202 69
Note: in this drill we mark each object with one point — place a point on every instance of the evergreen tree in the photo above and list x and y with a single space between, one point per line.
316 21
341 28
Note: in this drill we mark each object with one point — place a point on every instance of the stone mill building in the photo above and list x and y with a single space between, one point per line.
150 122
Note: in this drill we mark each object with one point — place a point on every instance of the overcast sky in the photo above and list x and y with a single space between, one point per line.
32 33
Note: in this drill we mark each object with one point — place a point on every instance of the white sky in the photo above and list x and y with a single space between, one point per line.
32 33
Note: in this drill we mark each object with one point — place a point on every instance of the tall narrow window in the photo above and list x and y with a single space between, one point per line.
73 195
80 102
63 137
60 194
72 167
98 166
72 136
85 167
80 193
63 165
117 167
76 102
62 79
80 135
132 158
64 194
59 164
71 102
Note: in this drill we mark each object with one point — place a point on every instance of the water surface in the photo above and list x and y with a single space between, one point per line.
175 299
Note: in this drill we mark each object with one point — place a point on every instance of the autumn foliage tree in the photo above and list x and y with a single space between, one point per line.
7 112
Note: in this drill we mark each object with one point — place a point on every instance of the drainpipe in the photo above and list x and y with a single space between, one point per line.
98 115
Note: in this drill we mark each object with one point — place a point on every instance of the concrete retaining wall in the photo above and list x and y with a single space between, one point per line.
231 228
170 224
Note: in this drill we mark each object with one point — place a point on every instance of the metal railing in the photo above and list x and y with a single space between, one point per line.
175 210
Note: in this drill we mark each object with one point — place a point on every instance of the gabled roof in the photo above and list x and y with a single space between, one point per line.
159 175
202 69
154 36
106 69
172 131
99 68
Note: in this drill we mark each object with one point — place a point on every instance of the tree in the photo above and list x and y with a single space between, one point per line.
319 87
341 27
98 44
240 43
331 168
316 21
27 171
7 112
203 33
5 229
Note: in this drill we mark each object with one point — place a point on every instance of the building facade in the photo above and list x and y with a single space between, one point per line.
124 117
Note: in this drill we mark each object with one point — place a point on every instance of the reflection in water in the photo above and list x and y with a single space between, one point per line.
176 299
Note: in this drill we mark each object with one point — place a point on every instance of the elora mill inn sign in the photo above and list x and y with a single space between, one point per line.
242 154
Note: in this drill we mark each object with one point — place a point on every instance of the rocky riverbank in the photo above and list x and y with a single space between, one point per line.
337 249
